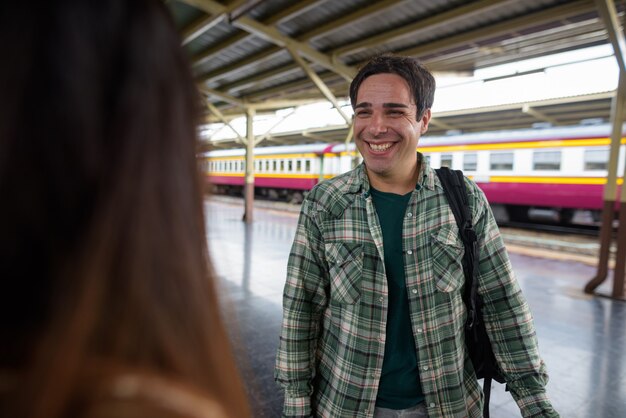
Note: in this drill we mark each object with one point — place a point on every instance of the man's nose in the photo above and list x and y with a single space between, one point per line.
377 124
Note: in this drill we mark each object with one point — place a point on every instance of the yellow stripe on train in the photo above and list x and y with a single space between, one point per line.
521 145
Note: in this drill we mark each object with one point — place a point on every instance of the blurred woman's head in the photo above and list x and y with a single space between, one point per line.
102 244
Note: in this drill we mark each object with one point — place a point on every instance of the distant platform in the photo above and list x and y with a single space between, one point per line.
581 338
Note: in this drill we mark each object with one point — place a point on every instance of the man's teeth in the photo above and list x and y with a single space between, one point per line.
380 147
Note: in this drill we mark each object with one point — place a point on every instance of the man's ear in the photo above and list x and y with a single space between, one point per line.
425 120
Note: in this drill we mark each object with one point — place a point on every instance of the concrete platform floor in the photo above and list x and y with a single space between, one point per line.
581 338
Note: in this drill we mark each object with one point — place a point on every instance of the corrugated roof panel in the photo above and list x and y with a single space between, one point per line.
389 19
218 33
233 54
322 13
281 58
267 8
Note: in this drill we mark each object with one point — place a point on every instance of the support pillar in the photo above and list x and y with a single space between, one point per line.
608 13
249 175
610 189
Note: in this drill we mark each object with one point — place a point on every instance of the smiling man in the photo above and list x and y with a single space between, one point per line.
373 322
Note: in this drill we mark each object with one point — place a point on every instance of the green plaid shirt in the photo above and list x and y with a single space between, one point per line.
335 305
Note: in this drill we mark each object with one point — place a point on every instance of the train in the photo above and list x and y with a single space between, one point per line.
556 173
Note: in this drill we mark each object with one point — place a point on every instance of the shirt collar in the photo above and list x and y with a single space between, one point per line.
360 182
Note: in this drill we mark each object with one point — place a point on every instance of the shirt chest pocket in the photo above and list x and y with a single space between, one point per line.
447 258
345 264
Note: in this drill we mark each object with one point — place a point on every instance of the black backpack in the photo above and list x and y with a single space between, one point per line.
476 339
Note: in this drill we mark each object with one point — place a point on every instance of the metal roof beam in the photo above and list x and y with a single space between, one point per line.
280 104
262 76
275 36
205 55
224 96
518 106
608 13
204 24
319 83
282 88
305 37
438 123
539 115
221 117
197 28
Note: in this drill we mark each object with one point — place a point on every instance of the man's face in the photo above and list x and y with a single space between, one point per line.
386 127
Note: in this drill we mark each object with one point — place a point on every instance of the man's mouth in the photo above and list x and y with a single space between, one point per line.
380 147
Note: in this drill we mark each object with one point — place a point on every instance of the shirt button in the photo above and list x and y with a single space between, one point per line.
409 215
432 405
425 368
420 330
414 291
381 299
409 252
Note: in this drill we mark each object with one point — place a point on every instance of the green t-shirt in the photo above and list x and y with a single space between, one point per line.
399 386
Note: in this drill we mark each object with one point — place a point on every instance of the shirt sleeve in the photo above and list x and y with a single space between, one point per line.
304 300
507 317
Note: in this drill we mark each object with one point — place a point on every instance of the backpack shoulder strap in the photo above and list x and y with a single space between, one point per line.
454 189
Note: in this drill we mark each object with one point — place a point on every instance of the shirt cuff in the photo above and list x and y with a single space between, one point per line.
297 407
537 405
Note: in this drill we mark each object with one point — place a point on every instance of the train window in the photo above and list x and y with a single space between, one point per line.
274 165
547 160
289 166
446 160
307 166
596 159
267 165
282 166
470 162
501 161
298 166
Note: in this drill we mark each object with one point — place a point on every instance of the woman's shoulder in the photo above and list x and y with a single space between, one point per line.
137 395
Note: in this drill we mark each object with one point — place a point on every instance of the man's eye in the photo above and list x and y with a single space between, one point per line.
363 114
395 113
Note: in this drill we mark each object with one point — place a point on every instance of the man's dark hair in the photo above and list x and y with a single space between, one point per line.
421 82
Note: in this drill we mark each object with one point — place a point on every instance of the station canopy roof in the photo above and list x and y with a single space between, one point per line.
273 54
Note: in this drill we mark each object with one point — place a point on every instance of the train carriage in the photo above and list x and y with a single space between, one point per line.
561 170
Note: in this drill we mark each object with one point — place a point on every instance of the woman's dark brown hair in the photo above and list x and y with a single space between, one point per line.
102 241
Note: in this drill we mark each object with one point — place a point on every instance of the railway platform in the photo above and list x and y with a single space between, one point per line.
581 338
